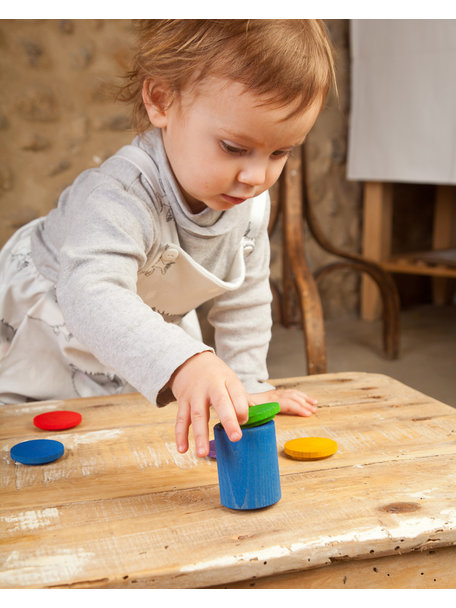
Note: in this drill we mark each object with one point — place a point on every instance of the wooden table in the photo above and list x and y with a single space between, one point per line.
122 508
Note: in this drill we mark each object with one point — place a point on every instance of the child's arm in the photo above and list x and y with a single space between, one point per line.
242 318
242 322
202 381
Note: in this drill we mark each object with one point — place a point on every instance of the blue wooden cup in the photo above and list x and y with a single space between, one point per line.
248 469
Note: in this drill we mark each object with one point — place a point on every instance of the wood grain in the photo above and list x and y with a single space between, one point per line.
123 509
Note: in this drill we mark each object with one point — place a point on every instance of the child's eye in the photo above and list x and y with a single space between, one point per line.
231 148
282 153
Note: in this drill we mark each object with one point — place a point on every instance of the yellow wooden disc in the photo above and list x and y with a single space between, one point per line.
310 448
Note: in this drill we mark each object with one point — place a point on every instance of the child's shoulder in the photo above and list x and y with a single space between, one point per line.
142 158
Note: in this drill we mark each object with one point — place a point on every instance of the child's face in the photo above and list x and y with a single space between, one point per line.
224 147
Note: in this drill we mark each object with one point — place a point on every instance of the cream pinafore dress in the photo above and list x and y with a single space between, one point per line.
40 358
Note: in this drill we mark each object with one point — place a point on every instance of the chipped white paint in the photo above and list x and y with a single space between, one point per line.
412 527
406 528
74 439
25 476
228 560
92 437
423 493
44 567
374 533
278 551
183 461
35 408
30 520
147 456
89 464
53 474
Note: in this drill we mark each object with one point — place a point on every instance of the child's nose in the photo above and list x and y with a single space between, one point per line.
253 174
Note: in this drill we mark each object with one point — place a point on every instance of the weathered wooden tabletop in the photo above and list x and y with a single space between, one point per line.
122 508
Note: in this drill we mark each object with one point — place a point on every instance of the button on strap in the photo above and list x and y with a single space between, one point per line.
170 255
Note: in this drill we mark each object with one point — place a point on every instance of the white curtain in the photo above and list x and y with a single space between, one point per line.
403 111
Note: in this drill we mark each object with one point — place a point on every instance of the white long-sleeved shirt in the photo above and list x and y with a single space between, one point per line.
106 228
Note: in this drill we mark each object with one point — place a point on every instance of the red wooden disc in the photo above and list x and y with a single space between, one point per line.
57 421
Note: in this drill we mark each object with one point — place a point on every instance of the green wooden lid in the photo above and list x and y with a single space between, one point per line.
260 414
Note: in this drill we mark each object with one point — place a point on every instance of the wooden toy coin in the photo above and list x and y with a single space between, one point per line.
310 448
37 451
57 420
260 414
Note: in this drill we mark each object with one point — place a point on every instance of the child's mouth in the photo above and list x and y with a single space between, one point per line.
234 200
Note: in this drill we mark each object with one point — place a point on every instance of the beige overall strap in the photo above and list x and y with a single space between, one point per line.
142 161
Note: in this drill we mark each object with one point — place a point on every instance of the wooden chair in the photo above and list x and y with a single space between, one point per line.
295 208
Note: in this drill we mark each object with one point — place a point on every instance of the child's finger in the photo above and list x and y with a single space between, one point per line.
302 409
309 399
240 402
182 425
200 422
227 415
304 400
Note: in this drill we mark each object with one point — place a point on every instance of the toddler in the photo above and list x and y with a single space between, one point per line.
99 296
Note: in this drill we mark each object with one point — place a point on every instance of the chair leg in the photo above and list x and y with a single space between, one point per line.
312 322
388 290
296 272
288 287
389 298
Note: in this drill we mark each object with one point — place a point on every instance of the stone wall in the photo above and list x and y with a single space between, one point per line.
58 117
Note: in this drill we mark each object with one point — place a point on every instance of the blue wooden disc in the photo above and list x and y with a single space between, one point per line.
37 451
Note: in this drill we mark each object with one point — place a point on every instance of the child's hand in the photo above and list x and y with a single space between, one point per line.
202 381
291 401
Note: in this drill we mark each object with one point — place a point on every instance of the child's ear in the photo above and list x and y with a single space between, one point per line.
157 98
